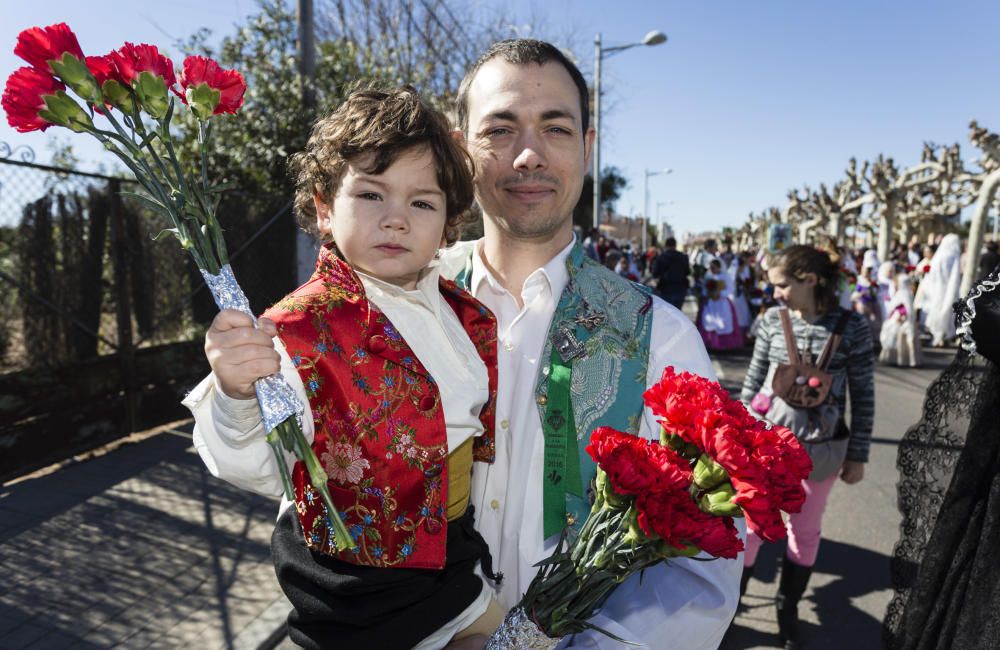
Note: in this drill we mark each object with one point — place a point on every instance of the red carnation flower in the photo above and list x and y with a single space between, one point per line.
675 517
132 59
103 68
635 465
678 397
39 45
766 466
24 96
201 71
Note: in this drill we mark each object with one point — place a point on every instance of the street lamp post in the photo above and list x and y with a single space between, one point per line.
652 38
645 198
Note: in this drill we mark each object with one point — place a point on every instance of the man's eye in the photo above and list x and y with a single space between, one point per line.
497 131
560 130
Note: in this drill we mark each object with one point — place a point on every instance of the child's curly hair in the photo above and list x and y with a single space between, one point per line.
388 123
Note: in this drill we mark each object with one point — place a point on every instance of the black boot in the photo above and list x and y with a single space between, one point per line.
794 579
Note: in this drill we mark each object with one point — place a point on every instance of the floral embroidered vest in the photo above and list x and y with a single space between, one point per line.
606 321
379 425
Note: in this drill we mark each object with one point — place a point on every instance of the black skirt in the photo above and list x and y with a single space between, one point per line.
344 606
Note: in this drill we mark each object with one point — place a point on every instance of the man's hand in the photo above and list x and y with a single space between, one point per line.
852 472
239 353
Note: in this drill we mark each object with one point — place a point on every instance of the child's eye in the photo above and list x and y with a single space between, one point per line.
423 205
370 196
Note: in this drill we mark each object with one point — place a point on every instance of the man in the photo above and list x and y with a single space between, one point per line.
522 111
671 270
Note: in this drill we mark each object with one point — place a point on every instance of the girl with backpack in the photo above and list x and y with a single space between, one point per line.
809 355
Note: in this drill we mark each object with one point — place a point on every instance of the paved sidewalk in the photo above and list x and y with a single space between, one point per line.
141 548
137 548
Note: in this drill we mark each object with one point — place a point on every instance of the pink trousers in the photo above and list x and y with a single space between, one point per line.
804 527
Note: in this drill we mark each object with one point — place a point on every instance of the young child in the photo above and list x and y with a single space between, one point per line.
899 336
717 320
397 369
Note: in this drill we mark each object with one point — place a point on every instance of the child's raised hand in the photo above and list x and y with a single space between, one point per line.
239 353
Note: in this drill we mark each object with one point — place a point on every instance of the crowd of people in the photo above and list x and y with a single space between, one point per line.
906 299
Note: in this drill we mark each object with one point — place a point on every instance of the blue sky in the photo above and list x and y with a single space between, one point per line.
745 101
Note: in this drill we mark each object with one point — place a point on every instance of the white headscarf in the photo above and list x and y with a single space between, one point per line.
939 289
903 295
870 260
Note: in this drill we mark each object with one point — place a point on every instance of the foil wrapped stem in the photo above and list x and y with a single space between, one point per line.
282 412
519 632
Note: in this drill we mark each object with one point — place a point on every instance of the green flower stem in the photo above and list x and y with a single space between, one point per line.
290 431
274 439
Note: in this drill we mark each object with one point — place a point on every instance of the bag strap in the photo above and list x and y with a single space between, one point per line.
786 325
833 342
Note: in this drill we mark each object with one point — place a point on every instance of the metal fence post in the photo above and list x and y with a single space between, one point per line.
123 311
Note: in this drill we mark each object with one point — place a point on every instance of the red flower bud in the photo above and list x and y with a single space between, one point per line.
24 97
39 45
209 89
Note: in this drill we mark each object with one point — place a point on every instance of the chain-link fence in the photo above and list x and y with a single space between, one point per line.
86 295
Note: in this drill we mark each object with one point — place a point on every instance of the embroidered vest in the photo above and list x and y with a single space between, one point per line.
379 425
604 323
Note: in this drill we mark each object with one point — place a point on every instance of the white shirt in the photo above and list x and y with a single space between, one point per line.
687 601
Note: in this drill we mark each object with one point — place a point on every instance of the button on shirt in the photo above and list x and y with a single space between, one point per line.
688 599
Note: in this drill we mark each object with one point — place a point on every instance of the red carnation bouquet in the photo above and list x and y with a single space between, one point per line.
659 500
126 99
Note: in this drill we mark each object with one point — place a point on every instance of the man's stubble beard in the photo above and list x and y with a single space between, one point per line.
528 226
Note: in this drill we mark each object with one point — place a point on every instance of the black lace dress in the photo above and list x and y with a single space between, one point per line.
946 566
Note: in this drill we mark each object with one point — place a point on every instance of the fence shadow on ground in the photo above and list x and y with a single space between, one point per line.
140 547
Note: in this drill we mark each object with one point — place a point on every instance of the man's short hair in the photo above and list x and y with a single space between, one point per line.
670 242
386 122
522 51
710 243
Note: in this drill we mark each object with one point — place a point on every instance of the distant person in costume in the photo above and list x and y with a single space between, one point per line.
717 318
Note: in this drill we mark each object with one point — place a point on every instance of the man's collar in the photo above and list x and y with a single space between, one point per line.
554 271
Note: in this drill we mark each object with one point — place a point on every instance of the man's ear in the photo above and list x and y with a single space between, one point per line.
324 216
588 145
459 137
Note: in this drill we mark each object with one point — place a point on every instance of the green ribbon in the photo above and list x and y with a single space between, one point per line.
562 461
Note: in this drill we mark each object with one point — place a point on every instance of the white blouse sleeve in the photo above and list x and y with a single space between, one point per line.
229 433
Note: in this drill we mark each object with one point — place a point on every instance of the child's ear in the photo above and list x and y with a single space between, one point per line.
324 216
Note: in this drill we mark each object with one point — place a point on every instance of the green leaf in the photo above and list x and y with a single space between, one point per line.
152 204
165 232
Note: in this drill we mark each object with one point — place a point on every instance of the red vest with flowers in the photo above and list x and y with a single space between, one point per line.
379 424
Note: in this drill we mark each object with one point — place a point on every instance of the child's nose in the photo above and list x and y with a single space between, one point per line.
395 218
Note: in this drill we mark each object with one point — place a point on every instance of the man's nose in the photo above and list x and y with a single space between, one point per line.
531 156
